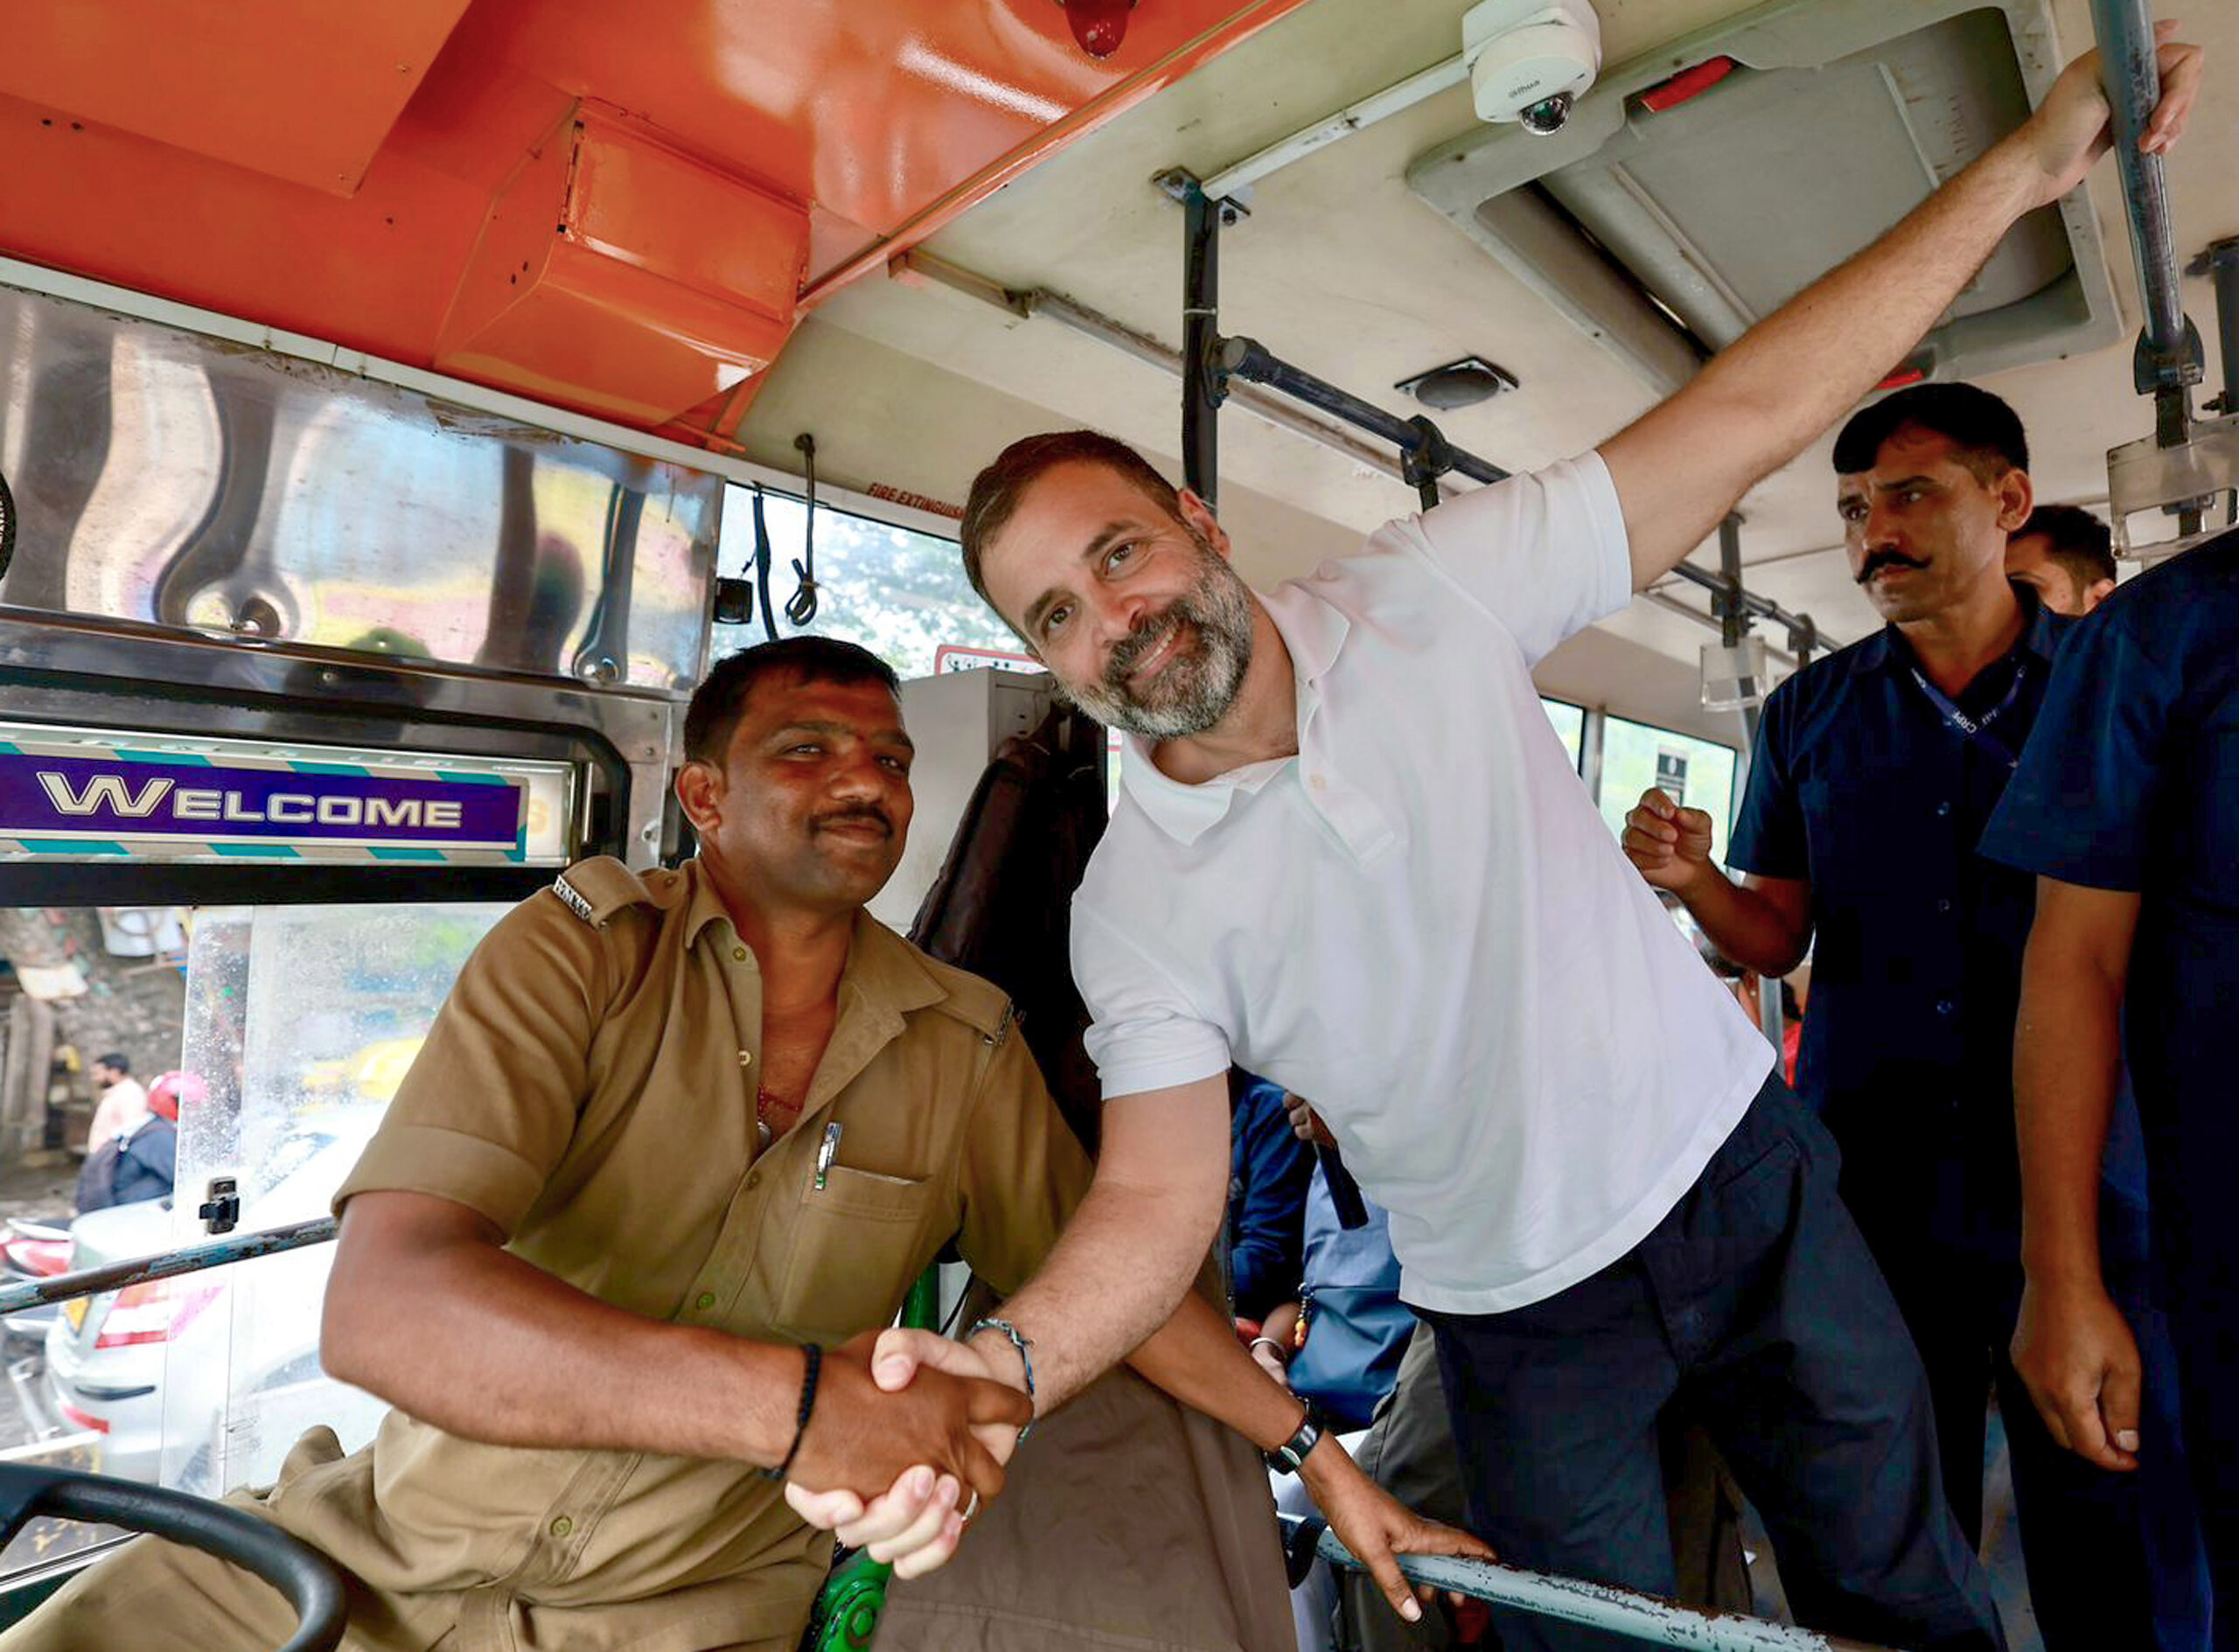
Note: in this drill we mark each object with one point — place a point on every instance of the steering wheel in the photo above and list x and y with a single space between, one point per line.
300 1573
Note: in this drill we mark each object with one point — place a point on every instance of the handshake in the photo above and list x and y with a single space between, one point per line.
908 1436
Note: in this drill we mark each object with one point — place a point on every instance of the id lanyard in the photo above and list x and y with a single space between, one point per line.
1977 727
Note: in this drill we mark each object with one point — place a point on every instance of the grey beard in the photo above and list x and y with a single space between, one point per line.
1195 691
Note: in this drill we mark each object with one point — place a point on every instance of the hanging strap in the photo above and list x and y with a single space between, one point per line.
802 607
762 557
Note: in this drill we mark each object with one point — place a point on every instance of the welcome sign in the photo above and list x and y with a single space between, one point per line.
98 795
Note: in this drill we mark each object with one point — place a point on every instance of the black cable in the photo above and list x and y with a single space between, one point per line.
762 559
802 607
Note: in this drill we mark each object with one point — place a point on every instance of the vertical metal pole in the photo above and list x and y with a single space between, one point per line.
1733 620
2168 357
2223 260
1733 625
1203 380
2221 263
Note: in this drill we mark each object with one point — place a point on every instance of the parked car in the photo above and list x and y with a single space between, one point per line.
232 1358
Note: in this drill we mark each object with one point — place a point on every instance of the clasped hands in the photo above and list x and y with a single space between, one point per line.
915 1436
916 1521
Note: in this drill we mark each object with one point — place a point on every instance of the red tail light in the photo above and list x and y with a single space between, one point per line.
154 1312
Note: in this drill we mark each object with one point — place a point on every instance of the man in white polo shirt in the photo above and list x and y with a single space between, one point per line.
1352 856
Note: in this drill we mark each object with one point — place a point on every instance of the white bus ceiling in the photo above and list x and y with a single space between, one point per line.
1342 270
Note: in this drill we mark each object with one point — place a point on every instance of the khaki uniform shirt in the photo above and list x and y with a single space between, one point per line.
589 1087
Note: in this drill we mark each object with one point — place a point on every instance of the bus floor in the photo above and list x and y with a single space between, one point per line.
2001 1550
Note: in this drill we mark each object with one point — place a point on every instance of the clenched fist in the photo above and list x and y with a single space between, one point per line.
1671 845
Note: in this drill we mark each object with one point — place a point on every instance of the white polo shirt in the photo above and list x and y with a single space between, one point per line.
1420 922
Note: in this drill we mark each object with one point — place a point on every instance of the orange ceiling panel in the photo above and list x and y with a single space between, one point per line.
272 160
581 290
304 90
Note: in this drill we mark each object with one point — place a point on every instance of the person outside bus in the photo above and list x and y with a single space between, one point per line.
141 1160
1352 856
123 1100
2125 809
1875 772
675 1147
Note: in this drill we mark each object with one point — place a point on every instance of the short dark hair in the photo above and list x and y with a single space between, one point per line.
1986 433
997 489
121 1063
2077 540
722 696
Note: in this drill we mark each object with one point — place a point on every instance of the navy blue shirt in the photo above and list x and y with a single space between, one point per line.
2131 781
1863 785
1269 1167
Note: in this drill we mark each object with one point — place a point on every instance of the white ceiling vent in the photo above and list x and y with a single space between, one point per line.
1699 186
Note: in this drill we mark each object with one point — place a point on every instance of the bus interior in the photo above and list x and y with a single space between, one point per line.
403 405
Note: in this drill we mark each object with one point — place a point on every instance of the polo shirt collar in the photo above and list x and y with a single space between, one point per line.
1315 633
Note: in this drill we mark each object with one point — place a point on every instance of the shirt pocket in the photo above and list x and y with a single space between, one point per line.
858 1242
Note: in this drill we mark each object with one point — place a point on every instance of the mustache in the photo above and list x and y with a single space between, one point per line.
870 811
1148 634
1880 560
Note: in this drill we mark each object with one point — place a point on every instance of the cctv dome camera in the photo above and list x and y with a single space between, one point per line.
1545 117
1529 59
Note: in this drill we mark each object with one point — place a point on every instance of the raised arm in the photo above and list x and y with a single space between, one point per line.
427 1310
2071 1345
1683 465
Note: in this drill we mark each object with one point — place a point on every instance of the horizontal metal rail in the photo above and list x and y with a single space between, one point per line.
1642 1617
193 1258
1248 359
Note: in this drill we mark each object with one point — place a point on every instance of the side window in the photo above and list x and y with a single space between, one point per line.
898 591
265 1043
1570 729
1636 755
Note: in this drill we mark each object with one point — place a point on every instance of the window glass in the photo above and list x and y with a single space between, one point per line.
1570 727
900 593
1636 755
301 1022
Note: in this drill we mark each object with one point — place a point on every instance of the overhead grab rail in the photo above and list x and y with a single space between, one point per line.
2167 361
1210 362
2188 461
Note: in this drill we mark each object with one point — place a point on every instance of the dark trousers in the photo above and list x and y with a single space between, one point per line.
1756 1303
2084 1530
2203 1313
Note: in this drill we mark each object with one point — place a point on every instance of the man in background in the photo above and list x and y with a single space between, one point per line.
2067 555
1875 772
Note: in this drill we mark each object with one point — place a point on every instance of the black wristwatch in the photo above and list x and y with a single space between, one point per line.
1289 1457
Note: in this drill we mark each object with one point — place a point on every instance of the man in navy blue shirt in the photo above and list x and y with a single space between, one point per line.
1269 1169
1875 772
2126 805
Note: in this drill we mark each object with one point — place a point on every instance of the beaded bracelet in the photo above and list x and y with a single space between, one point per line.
815 1362
1025 1347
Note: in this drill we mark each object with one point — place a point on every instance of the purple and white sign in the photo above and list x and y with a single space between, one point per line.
125 799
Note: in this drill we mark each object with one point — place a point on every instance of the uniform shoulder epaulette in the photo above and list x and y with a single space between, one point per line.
596 889
976 1001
